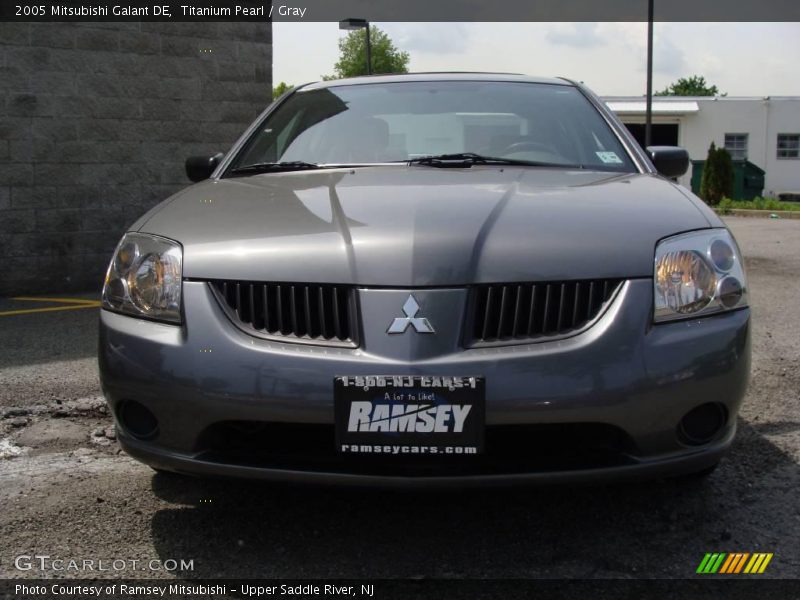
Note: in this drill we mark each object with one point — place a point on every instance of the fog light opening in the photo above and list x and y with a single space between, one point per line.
701 424
137 420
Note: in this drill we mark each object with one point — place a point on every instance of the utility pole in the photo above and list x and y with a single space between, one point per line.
351 24
648 122
369 51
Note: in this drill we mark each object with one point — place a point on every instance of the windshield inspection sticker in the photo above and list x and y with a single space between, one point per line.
609 157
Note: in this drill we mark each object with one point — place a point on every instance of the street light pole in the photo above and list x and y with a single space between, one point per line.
648 122
350 24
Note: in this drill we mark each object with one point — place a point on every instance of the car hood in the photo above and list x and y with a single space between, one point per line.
410 226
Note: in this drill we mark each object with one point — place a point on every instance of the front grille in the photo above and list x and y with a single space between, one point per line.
301 312
505 313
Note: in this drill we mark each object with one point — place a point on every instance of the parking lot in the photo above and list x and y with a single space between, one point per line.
68 492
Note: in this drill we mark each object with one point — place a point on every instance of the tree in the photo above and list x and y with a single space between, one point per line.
695 85
280 89
717 180
386 58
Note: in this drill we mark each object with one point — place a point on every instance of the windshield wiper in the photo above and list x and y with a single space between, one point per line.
274 167
468 159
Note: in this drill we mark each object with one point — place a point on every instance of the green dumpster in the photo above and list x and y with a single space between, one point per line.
748 179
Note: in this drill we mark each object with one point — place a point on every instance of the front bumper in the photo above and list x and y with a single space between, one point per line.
622 373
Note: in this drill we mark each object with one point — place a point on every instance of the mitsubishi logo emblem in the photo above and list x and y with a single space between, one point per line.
410 308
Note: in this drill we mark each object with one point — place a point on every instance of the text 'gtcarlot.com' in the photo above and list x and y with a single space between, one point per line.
44 562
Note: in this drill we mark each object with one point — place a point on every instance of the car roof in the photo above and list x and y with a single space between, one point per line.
441 76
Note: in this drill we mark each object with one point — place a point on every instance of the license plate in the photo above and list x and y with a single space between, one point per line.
409 415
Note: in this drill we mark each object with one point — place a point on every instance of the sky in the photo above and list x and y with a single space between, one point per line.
741 59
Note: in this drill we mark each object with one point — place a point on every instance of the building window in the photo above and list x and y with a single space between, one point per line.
736 145
789 145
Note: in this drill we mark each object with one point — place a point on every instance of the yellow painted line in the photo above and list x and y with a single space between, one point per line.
30 311
64 300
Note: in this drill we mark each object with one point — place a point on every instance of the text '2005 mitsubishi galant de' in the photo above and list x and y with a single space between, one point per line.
429 279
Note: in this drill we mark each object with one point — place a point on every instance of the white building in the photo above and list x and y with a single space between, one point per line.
765 131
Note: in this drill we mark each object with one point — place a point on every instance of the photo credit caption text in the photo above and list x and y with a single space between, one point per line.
197 590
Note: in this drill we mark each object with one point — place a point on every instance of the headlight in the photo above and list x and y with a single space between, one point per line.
144 278
697 274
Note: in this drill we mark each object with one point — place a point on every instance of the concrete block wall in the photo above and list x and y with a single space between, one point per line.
96 120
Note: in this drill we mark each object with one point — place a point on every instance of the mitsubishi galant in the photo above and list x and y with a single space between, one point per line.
429 279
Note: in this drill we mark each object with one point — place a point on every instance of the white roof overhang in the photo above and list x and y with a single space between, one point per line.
659 108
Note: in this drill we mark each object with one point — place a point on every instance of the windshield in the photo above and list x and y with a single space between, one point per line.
395 122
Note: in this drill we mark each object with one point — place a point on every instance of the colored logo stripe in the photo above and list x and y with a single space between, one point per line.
734 562
759 562
711 562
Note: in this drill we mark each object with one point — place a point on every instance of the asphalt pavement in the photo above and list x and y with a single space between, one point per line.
67 491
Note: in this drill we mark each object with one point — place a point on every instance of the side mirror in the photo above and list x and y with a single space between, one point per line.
199 168
670 161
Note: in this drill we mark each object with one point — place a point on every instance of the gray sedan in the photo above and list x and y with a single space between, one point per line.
429 279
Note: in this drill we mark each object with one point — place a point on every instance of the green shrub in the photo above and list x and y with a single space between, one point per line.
726 175
708 175
725 206
772 204
717 180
